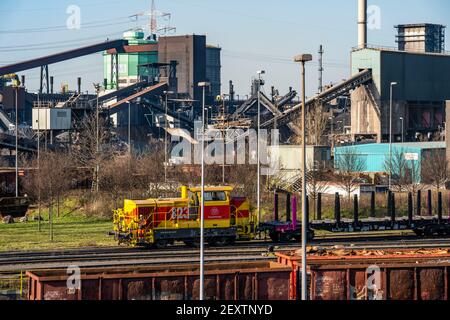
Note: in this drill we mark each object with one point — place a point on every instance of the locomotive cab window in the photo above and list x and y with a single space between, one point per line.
215 196
193 200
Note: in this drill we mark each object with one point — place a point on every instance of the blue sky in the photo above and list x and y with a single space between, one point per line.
254 34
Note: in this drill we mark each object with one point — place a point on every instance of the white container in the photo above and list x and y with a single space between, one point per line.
52 119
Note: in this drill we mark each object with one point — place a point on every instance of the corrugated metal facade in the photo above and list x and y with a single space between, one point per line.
420 76
190 53
213 69
375 155
419 96
289 156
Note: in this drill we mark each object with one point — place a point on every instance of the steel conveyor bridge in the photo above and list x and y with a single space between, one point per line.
288 116
274 108
156 89
63 56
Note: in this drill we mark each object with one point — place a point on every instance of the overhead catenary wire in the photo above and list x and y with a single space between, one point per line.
85 25
99 37
266 18
43 9
281 60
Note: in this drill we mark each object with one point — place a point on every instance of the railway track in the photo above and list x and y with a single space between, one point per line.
245 251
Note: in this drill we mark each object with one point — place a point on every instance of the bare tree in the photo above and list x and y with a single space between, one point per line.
48 179
348 165
414 177
150 169
244 178
405 173
397 166
89 152
62 174
316 182
435 169
316 125
117 177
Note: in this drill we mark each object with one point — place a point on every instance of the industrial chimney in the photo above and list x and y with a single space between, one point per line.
362 24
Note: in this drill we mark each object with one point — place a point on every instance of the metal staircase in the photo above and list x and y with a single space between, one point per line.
287 183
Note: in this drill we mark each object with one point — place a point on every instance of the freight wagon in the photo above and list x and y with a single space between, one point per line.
223 281
161 222
399 275
290 229
372 275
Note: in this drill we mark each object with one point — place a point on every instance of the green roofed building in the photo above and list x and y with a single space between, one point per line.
132 63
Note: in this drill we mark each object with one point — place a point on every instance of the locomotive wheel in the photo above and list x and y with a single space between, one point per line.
192 244
285 237
310 237
161 244
220 241
275 237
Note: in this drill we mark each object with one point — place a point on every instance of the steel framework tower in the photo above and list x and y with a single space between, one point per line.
320 69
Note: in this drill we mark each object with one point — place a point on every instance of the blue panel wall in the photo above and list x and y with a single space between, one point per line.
375 155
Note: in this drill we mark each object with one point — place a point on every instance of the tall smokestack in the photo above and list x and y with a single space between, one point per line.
362 24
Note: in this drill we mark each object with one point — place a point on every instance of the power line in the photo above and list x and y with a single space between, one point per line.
262 18
64 8
85 25
275 59
52 45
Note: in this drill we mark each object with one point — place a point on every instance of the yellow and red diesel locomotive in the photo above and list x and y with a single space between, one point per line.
161 222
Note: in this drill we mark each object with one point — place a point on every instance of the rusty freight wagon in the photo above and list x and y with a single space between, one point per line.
373 275
223 281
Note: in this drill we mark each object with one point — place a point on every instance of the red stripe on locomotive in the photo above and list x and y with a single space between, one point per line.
236 202
217 212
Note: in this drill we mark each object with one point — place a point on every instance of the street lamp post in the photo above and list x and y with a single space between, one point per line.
129 128
202 210
17 141
224 133
390 133
303 59
403 129
258 162
166 93
97 137
39 159
210 115
332 128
